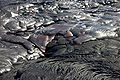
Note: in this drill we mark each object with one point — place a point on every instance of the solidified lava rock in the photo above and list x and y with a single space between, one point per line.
59 40
94 60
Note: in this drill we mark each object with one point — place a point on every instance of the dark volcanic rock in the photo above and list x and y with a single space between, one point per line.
80 38
93 60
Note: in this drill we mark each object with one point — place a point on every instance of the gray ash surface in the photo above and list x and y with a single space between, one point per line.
60 40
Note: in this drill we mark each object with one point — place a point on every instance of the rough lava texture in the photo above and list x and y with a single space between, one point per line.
59 39
94 60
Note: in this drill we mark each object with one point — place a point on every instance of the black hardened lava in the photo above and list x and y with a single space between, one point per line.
60 40
94 60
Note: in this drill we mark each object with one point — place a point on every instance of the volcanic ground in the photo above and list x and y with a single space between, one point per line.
59 40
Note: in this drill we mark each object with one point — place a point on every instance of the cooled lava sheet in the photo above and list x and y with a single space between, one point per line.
59 39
